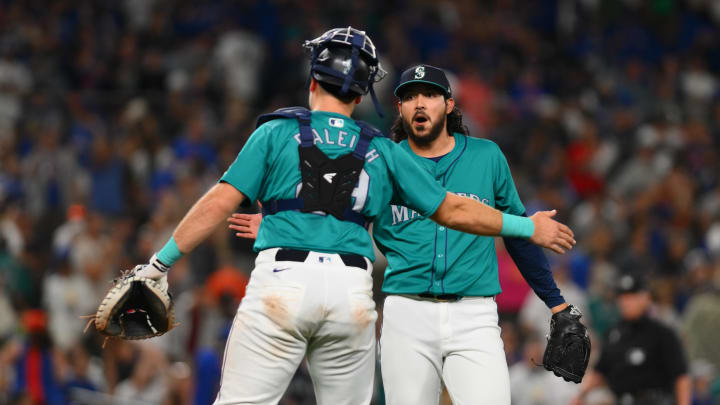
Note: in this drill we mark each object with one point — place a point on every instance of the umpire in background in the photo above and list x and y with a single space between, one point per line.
642 361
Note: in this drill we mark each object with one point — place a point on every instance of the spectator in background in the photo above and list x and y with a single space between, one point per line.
66 295
108 192
643 170
80 375
16 279
194 144
16 81
93 255
65 234
148 380
179 385
11 229
36 373
52 178
10 349
8 319
599 273
701 320
225 289
119 358
511 343
239 55
703 374
641 360
664 306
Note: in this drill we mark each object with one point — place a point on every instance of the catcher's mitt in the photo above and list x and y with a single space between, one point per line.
135 308
568 349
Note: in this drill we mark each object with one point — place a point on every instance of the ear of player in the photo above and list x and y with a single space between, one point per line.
568 348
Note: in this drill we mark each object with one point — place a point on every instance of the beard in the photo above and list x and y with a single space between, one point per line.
427 139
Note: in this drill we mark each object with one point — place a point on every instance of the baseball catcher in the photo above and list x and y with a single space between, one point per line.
568 349
136 306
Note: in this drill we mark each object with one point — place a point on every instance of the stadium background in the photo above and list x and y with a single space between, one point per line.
116 115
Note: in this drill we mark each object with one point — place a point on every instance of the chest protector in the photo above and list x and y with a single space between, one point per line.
327 184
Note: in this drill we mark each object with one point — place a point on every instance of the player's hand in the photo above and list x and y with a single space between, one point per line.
550 233
154 270
246 225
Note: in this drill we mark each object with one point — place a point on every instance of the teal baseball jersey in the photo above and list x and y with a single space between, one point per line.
267 168
427 257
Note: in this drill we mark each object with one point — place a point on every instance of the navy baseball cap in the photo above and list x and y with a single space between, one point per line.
630 283
424 74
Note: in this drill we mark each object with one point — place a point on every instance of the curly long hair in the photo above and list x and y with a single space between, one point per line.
453 121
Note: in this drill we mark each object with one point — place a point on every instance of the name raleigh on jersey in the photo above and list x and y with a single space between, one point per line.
340 138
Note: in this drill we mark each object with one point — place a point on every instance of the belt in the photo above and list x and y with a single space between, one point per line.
294 255
449 297
441 297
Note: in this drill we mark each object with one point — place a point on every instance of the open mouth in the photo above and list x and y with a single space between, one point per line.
420 119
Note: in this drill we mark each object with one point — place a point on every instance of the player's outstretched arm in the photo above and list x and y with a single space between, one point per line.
202 219
148 300
207 213
466 215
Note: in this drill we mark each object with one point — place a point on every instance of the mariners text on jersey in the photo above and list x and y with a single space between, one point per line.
401 213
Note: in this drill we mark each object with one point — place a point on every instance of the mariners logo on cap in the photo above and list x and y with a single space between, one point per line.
424 74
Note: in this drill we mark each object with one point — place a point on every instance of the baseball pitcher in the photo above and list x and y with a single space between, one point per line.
440 317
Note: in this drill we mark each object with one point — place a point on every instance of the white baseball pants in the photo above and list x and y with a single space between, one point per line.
319 308
424 341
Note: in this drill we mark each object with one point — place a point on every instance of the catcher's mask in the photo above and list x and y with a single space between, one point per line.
346 58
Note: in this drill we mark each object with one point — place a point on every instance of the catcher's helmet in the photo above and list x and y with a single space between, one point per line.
346 58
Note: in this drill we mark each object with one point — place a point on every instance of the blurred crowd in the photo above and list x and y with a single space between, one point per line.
115 116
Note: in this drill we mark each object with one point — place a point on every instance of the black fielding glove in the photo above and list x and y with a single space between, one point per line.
568 348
